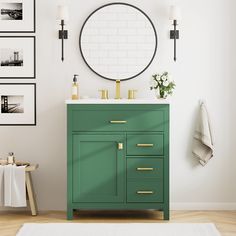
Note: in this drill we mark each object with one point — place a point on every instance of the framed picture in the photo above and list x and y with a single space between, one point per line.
17 16
17 57
18 104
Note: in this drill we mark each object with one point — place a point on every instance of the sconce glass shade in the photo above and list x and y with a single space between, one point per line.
175 13
62 13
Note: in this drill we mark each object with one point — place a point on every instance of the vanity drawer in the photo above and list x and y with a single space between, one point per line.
144 167
117 120
141 144
145 191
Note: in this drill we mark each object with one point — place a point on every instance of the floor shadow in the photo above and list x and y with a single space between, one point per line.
118 215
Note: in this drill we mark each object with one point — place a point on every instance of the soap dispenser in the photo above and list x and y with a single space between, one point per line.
75 88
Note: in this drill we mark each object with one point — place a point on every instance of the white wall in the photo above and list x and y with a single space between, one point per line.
204 70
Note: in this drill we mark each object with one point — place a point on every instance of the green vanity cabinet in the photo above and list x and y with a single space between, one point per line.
118 157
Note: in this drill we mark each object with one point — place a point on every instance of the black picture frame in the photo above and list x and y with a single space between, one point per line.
34 58
125 4
25 31
35 104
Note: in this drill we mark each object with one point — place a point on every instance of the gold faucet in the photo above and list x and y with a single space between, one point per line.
104 93
118 90
131 94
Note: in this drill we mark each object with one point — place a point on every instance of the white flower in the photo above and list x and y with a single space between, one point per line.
165 83
164 78
153 83
158 77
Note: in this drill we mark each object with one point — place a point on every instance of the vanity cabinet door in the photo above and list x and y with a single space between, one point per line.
98 168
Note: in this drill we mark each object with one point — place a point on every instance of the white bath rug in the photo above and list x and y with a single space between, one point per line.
129 229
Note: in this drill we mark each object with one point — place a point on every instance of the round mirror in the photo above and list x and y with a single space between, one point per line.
118 41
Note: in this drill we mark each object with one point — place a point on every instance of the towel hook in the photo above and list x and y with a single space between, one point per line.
202 101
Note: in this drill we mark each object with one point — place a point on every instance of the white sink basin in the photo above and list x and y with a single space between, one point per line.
118 101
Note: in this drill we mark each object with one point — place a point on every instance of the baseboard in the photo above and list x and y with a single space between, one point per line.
175 206
203 206
14 209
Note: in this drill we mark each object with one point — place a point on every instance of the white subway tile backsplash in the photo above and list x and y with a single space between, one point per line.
127 46
109 16
101 68
98 24
136 24
108 31
127 61
146 46
89 46
117 24
116 39
117 54
127 31
99 53
108 61
135 39
129 16
108 46
94 61
90 31
117 69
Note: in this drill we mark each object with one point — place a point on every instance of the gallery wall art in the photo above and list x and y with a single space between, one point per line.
18 104
17 16
17 61
17 57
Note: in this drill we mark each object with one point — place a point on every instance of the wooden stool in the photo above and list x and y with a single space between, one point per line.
30 189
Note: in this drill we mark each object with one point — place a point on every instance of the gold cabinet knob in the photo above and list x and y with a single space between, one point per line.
104 93
120 146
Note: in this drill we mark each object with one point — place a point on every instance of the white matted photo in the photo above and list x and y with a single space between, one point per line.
17 57
18 104
17 16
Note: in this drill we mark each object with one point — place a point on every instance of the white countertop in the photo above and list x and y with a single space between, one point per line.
118 101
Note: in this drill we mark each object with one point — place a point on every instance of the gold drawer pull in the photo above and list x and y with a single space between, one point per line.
144 169
118 121
145 192
145 145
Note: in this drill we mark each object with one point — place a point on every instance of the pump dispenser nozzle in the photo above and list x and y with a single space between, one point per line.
75 88
75 78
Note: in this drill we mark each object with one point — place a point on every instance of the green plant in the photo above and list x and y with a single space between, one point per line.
162 84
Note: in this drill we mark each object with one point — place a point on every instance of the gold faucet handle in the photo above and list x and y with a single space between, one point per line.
104 93
132 93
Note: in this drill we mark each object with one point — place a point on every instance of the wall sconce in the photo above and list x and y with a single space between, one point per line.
175 15
63 15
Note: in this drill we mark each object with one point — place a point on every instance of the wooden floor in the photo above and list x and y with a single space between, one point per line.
225 221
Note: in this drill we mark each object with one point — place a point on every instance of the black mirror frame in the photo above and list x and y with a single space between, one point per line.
119 3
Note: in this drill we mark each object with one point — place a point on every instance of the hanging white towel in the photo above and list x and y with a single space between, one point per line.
14 186
203 139
1 185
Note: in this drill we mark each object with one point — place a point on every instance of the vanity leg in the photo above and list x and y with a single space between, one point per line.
69 213
166 213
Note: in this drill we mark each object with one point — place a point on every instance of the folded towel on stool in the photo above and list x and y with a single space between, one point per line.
1 185
203 139
14 186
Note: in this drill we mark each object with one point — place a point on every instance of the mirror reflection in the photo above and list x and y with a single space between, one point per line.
118 41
